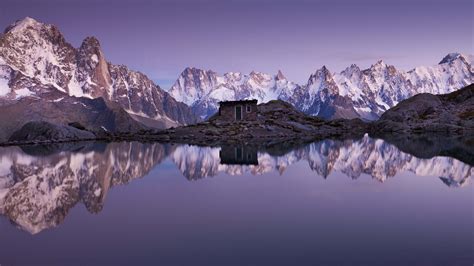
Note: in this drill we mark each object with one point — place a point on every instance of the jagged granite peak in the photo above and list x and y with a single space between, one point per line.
233 76
93 72
22 24
321 81
450 57
38 55
379 64
322 74
192 84
324 99
38 51
261 79
280 76
90 41
351 70
443 78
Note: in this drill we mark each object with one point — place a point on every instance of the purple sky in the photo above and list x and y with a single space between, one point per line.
161 38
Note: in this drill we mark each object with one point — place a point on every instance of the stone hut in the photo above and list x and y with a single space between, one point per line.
238 110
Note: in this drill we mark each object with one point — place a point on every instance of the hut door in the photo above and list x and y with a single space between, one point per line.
238 113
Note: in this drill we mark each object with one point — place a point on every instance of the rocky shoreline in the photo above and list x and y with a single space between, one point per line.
278 122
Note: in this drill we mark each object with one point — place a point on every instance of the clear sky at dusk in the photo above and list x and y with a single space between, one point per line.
161 38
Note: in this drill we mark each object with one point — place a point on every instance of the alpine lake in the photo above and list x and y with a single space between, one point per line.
362 201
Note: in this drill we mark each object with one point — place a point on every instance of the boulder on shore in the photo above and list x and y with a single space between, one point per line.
41 131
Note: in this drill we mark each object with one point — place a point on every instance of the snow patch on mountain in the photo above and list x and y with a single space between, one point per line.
4 88
23 93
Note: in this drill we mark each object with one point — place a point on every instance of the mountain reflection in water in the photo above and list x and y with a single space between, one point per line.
39 185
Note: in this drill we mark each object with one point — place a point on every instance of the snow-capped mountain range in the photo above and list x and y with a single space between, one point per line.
38 67
349 94
35 58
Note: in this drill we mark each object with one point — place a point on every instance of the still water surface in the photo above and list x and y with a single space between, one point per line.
353 202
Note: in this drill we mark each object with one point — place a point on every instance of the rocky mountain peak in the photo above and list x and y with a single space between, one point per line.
39 51
380 64
23 24
259 78
93 71
280 76
90 42
351 70
90 51
192 84
321 80
258 74
197 73
451 57
466 59
31 31
190 70
233 76
321 74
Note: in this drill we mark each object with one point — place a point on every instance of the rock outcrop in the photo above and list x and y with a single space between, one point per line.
453 112
277 122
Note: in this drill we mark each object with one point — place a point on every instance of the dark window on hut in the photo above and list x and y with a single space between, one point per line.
249 108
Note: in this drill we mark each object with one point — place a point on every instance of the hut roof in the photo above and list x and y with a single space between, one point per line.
238 102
